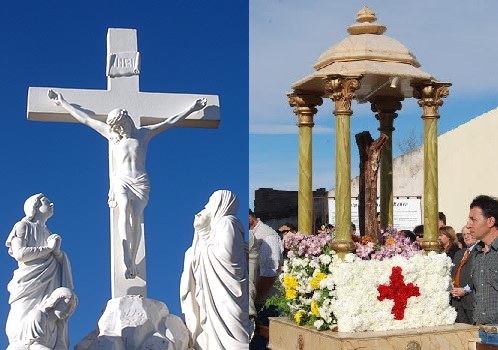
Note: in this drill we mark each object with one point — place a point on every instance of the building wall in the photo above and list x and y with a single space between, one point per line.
468 166
277 207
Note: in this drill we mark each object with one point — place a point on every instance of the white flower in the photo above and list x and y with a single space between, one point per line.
325 259
349 258
314 264
327 282
318 324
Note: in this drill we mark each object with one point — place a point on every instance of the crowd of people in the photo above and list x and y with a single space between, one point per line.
473 250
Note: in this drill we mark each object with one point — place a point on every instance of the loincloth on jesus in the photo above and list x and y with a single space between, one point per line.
135 188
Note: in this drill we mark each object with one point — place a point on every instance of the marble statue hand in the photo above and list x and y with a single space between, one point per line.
56 97
199 104
54 241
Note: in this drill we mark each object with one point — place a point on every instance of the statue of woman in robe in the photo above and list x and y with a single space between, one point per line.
42 266
45 327
214 284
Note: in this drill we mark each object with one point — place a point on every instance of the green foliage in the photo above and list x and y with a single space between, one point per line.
278 300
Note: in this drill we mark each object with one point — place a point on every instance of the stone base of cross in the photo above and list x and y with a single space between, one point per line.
150 326
145 108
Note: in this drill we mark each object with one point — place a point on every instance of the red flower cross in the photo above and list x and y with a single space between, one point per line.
398 291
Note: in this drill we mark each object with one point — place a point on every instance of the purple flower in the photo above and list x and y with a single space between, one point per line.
305 246
398 244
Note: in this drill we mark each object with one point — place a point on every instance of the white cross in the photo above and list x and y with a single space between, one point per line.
145 108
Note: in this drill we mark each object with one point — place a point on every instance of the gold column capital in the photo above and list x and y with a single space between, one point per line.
305 106
430 96
386 112
341 90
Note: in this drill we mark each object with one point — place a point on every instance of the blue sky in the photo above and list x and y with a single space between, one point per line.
186 47
453 42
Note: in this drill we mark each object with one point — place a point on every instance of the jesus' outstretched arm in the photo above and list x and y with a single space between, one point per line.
78 114
171 121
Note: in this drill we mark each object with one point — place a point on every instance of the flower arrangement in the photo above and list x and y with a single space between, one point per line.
301 245
306 281
393 285
393 243
361 305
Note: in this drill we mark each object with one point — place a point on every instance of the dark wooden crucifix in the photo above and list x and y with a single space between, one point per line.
370 153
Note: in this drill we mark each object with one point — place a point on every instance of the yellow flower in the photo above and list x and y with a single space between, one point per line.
314 308
290 281
298 316
315 281
290 293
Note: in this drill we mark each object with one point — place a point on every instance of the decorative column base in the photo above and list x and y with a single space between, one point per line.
430 246
133 322
342 247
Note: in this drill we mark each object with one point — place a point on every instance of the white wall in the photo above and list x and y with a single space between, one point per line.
468 166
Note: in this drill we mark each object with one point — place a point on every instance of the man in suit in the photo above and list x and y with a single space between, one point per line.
462 296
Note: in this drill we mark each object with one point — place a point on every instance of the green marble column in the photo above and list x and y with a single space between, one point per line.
341 90
305 110
386 113
430 95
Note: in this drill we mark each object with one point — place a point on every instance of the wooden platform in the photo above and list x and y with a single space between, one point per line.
286 335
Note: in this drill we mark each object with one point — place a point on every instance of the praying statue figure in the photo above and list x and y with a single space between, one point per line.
42 267
129 184
214 286
45 327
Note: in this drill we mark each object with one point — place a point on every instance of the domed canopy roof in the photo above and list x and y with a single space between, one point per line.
367 52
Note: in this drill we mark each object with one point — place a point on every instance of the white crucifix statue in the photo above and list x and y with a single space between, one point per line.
128 118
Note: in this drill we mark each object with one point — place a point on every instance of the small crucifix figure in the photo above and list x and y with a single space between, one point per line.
370 153
128 118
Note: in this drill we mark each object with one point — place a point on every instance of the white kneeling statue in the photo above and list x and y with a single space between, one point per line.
43 268
45 327
214 284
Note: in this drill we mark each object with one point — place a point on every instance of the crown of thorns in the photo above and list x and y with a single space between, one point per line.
116 118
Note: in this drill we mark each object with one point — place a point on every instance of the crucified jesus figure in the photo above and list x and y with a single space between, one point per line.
129 184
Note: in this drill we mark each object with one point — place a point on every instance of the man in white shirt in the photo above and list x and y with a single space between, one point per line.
270 260
270 256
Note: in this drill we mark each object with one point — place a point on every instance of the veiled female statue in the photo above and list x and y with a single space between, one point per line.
214 284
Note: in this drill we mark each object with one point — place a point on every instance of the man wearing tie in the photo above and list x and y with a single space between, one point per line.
462 296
